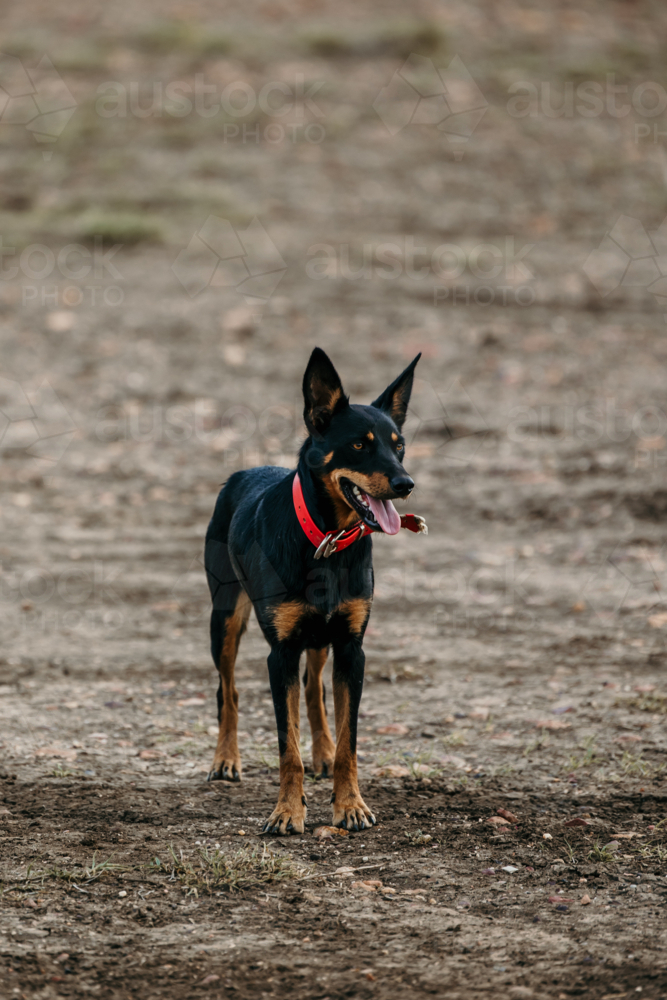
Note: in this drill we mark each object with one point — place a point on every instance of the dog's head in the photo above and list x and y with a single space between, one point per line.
357 451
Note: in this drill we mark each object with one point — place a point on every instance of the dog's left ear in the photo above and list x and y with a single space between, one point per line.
322 392
395 398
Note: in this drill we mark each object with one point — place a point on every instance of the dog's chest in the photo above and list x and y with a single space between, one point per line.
331 587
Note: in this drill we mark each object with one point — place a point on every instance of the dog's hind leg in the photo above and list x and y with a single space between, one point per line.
226 631
324 748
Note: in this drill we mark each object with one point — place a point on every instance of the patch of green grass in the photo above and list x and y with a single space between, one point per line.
189 747
81 876
502 770
634 764
653 852
418 839
595 68
393 674
393 39
127 228
570 852
61 772
215 43
166 37
654 703
417 762
401 39
586 759
22 45
600 853
330 43
455 739
81 57
541 743
215 871
264 759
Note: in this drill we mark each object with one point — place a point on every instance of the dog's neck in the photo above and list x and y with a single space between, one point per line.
320 505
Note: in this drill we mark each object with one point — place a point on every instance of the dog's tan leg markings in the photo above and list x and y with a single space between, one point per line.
286 617
324 748
227 760
357 610
349 809
289 816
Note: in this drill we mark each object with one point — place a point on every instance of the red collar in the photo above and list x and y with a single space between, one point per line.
335 541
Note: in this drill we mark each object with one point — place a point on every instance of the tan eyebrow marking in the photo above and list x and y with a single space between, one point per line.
370 436
394 436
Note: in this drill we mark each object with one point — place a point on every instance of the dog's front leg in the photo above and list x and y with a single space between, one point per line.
290 813
349 809
324 750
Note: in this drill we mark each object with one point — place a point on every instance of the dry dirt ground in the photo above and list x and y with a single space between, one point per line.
515 656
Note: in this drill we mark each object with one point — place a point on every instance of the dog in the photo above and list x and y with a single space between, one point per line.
295 546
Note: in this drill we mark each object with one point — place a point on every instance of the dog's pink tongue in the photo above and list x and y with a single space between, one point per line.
386 515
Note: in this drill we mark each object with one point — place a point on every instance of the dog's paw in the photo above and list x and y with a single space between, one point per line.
351 812
323 768
323 760
287 817
228 769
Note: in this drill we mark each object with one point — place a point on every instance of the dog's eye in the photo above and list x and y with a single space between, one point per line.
400 447
357 445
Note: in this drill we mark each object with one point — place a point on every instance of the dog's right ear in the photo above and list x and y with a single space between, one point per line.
322 392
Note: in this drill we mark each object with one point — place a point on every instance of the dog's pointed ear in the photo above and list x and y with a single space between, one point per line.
322 392
395 398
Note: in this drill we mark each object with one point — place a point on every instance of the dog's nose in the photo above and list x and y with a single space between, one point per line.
402 485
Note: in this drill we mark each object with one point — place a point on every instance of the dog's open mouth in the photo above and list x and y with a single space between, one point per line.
380 515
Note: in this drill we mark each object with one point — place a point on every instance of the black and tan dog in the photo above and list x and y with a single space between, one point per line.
294 546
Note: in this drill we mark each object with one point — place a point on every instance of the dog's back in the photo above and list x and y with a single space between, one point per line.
242 492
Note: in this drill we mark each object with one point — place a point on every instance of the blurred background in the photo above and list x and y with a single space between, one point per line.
193 196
